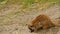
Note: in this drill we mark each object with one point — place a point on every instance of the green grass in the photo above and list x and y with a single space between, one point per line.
1 0
28 3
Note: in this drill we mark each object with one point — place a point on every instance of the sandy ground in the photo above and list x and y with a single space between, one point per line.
21 28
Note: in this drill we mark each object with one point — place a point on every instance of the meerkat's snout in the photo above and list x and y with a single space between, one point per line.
31 30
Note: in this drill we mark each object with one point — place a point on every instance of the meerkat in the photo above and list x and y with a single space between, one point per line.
42 21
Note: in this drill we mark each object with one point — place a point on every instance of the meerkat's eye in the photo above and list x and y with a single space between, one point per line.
31 26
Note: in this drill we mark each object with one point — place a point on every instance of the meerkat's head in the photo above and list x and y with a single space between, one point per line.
33 27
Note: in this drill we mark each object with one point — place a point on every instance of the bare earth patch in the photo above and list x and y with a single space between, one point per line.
20 26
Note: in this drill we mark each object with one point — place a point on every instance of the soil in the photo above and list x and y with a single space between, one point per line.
20 26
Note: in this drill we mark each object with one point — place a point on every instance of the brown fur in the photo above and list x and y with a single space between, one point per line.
41 21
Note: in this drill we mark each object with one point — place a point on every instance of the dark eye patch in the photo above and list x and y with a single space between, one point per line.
31 26
40 28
